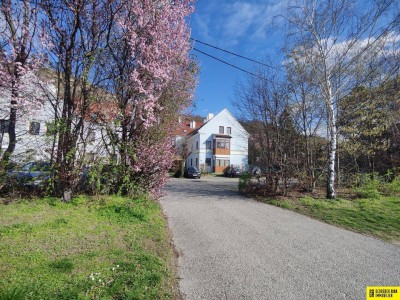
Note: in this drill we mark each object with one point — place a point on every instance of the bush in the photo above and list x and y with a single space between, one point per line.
178 174
372 186
368 186
244 181
392 188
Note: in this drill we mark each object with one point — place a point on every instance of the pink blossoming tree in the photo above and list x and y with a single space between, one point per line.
18 57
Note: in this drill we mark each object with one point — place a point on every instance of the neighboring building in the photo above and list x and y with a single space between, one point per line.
35 137
218 143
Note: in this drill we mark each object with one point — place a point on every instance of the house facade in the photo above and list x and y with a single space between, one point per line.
220 142
35 138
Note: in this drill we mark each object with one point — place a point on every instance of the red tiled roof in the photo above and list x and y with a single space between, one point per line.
183 127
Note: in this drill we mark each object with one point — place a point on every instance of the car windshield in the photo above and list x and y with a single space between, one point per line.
45 166
36 166
193 169
27 166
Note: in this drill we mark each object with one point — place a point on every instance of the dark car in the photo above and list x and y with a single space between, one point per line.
255 171
232 172
32 174
192 172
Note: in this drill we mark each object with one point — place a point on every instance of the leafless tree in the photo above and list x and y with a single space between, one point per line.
339 40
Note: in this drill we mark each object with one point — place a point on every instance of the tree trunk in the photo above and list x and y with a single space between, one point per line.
330 187
12 138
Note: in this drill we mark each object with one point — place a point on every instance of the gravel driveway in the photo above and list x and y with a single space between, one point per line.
232 247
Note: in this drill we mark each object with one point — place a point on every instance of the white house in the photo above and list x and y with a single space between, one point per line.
35 138
220 142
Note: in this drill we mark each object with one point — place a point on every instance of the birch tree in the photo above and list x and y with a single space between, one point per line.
341 41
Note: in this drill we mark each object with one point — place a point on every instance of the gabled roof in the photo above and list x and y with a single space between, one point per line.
183 128
213 120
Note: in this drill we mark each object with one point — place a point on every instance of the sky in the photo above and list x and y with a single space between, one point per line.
240 26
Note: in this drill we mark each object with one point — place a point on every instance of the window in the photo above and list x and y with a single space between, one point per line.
222 163
191 162
197 162
223 144
34 128
221 129
208 162
197 147
208 144
228 130
91 136
4 124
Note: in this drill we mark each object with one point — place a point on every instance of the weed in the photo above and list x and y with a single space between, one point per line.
62 265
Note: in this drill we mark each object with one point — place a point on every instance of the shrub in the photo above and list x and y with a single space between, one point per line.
244 181
368 186
391 188
372 186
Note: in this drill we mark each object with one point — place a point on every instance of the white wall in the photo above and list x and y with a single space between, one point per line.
239 141
37 147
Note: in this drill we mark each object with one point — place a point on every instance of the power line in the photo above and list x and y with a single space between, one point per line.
238 55
236 67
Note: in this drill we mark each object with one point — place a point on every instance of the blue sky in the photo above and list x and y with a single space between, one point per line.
241 27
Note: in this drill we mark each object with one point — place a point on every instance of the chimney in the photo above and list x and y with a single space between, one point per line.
193 124
210 116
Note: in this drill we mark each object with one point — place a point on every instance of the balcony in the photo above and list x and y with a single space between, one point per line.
222 144
222 151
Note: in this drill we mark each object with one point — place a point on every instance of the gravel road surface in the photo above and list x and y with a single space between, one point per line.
232 247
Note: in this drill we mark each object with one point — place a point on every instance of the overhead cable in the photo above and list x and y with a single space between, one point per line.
236 67
238 55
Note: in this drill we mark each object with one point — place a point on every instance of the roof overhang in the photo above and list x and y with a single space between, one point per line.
225 136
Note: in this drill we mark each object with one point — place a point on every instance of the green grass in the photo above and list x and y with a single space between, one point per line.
379 217
91 248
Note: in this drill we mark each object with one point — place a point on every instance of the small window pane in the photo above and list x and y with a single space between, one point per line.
221 129
228 130
91 136
34 128
4 124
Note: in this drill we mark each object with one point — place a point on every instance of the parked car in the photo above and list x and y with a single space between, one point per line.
232 172
32 174
192 172
255 171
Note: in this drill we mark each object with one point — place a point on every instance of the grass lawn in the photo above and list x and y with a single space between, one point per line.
91 248
378 217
